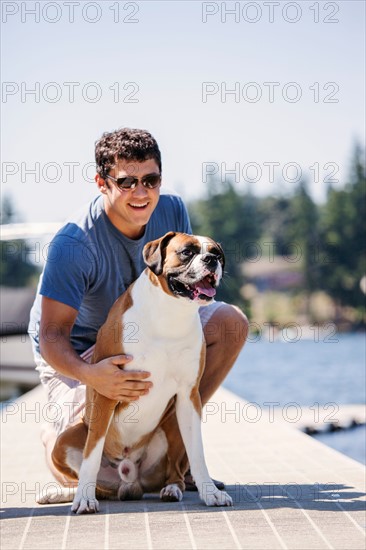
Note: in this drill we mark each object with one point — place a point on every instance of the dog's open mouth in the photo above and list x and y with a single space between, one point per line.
199 290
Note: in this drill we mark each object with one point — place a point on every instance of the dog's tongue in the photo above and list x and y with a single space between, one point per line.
204 287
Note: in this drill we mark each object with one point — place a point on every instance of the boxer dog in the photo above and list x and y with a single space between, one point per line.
119 454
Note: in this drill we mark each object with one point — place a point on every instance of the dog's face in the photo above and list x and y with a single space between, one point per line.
187 266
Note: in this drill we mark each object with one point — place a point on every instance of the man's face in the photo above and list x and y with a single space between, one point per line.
130 210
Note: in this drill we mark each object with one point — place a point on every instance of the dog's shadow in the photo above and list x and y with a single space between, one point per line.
326 497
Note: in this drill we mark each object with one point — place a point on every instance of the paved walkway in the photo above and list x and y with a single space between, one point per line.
289 491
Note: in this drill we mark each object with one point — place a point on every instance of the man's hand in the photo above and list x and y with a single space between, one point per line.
105 377
115 383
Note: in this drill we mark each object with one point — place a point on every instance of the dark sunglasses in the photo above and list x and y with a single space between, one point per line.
130 182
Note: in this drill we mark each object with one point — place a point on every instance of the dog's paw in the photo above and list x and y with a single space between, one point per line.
56 496
85 505
217 498
171 493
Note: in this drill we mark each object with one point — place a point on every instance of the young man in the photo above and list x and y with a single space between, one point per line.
91 261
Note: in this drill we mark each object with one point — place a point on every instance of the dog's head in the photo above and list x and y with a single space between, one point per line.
187 266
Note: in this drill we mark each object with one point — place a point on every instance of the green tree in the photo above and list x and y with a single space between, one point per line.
7 212
304 234
291 223
276 218
15 268
344 229
231 219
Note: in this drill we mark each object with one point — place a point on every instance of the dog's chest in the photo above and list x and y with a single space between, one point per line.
172 356
162 339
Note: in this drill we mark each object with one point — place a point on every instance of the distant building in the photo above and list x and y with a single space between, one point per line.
275 273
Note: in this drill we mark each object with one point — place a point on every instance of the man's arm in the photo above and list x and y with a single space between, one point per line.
57 320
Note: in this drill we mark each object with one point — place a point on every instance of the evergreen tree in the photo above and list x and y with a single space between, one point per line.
290 224
304 234
344 228
276 218
15 268
231 219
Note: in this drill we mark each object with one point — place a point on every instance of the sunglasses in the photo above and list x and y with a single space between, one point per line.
130 182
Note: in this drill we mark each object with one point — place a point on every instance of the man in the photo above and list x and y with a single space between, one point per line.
91 261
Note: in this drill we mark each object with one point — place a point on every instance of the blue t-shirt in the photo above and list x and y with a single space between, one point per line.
90 263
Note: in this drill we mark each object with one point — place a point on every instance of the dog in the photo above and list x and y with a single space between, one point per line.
119 454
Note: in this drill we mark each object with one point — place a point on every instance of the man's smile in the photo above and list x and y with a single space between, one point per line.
138 205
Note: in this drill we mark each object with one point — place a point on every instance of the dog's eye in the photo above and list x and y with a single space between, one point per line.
187 253
217 253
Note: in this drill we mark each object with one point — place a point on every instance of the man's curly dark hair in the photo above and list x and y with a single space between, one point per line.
126 144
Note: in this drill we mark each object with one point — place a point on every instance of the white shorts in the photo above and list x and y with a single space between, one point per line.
67 396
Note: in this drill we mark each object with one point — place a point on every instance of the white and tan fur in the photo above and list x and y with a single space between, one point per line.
122 451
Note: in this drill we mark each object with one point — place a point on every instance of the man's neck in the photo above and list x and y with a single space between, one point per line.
128 230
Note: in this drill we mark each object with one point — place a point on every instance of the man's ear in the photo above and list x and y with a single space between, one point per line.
100 183
154 252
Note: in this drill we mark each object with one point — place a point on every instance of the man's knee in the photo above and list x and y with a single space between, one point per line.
228 325
235 325
242 320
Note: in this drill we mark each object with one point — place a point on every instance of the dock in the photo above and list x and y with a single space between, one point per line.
289 490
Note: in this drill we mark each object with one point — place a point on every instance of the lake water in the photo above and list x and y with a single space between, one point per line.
307 373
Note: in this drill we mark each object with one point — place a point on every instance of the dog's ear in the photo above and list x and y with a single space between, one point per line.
154 253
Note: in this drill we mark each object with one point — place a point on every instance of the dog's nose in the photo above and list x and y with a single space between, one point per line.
210 260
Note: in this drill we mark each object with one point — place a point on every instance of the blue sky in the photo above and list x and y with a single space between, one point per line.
160 54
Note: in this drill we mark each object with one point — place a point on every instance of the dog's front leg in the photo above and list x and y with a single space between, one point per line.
188 409
99 419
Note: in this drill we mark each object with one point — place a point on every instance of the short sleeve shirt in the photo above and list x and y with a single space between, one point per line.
90 263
